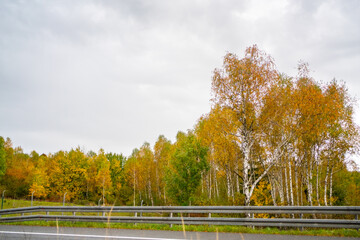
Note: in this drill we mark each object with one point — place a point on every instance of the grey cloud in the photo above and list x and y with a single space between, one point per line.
114 74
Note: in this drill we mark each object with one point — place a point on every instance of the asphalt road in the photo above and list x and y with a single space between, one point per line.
66 233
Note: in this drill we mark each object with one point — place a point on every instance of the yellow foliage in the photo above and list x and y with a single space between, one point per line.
262 197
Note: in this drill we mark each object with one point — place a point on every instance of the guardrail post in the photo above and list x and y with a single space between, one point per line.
99 205
62 213
141 206
32 197
252 216
171 215
301 216
135 216
64 199
209 215
2 199
104 212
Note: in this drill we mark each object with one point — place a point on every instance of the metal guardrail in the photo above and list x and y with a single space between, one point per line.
294 215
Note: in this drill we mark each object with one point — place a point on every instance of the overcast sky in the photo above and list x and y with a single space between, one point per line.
114 74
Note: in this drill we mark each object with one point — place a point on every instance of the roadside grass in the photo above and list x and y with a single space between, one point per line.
15 203
9 203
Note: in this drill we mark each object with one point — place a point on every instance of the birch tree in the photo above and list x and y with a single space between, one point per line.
242 86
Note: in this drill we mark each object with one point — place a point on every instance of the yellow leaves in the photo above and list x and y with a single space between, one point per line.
39 190
262 195
221 174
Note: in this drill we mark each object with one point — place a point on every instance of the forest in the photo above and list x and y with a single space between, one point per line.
269 139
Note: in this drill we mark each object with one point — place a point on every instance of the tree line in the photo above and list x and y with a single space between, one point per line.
269 139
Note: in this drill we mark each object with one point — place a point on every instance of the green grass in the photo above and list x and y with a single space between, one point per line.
12 203
9 203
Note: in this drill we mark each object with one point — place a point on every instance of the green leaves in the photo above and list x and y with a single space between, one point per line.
187 165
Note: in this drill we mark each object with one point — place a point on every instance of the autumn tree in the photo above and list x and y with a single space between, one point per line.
140 175
341 133
131 175
146 170
162 155
224 154
187 165
242 86
102 175
278 125
2 157
116 172
40 178
19 166
68 174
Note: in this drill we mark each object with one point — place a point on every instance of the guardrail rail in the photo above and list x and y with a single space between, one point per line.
278 216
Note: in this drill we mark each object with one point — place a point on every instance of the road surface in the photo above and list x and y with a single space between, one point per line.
12 232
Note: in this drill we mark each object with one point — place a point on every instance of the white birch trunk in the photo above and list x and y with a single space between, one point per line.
158 189
246 188
216 185
280 184
237 177
297 186
272 190
228 185
317 183
150 194
330 188
210 182
291 185
326 182
309 183
286 185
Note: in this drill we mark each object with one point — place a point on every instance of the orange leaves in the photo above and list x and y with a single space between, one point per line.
243 83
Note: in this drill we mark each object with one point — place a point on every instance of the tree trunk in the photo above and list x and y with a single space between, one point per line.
157 185
164 196
150 193
326 182
273 189
317 182
202 182
330 188
210 181
309 182
103 191
280 185
286 183
246 187
301 184
237 177
228 185
297 185
216 184
291 187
